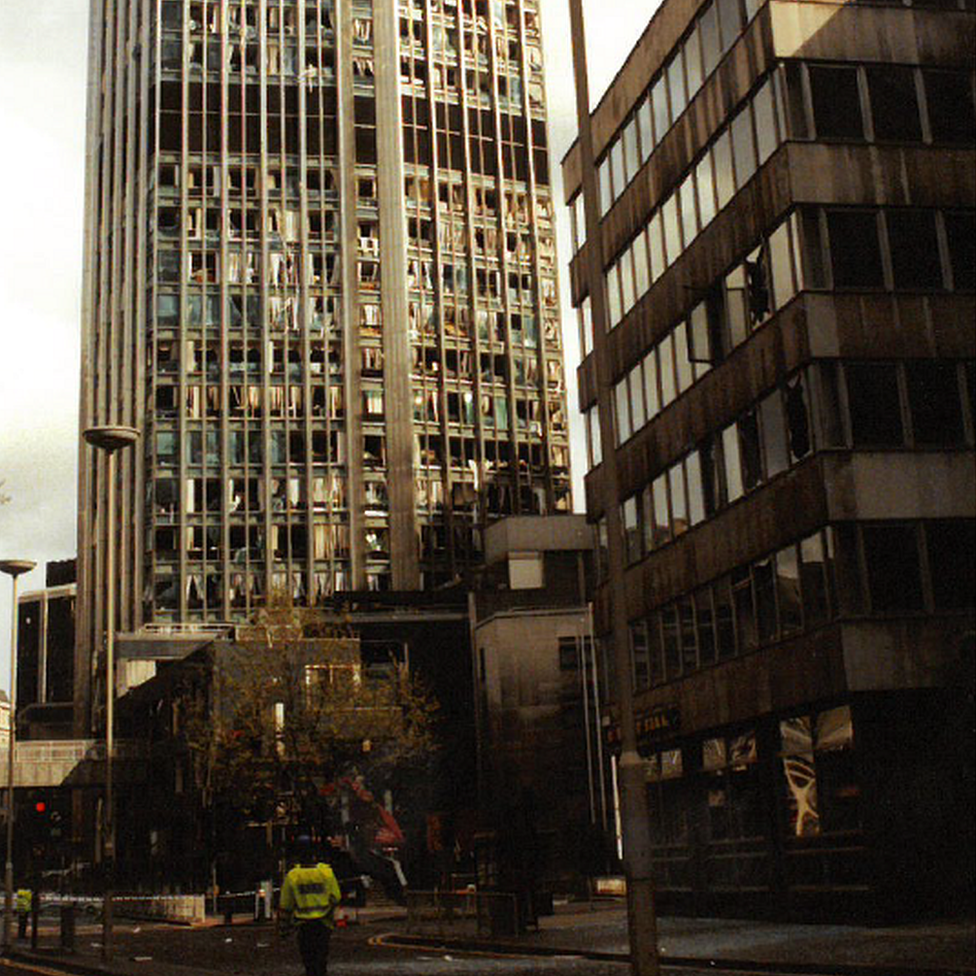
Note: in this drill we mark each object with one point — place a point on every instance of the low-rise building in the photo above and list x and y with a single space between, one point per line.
537 694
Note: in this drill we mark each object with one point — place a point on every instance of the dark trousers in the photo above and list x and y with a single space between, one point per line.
313 944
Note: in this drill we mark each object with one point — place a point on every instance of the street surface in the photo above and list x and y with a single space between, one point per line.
253 949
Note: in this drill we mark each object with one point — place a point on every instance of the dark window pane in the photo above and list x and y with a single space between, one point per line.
914 249
689 639
951 546
813 580
672 645
774 434
936 408
839 790
894 106
706 627
788 591
950 100
745 615
891 558
724 619
654 649
748 428
961 237
845 568
855 255
797 420
764 574
836 104
872 398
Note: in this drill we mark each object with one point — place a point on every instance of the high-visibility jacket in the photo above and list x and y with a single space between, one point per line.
25 897
311 893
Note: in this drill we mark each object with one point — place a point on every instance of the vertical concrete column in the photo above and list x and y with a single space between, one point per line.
393 299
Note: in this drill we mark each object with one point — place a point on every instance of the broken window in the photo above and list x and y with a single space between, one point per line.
934 403
750 450
894 104
914 246
855 253
960 230
951 562
774 434
891 560
874 405
836 102
949 95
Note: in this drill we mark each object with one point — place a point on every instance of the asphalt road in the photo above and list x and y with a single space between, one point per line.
395 962
256 951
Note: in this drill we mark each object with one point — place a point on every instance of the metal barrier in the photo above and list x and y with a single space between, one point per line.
259 903
188 909
465 912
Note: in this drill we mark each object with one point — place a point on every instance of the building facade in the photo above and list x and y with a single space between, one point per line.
46 655
320 280
537 698
776 308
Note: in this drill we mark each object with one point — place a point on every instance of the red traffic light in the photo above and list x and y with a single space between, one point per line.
40 806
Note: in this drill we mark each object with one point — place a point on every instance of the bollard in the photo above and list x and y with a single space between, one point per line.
263 901
68 927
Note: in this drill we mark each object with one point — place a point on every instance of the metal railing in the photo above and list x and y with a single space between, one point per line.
465 912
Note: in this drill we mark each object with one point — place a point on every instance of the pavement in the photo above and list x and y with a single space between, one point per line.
594 930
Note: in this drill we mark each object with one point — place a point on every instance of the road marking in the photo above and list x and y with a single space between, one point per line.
380 941
25 967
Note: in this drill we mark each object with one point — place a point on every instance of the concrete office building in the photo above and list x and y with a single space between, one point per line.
537 699
46 655
320 280
776 302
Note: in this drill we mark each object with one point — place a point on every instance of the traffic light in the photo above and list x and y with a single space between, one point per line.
43 824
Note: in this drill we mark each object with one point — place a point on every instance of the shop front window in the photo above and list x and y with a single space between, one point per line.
819 770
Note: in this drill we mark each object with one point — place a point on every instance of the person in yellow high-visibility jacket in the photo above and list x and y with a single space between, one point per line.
309 896
25 899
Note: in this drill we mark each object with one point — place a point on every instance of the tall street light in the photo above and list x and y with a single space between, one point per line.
109 439
641 917
13 568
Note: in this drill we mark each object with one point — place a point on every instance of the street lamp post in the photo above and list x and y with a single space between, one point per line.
109 439
641 917
13 568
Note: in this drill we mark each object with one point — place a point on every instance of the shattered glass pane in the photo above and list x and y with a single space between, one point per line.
801 786
796 735
834 729
713 754
670 763
742 750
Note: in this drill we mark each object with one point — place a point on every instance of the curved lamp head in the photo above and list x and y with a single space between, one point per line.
111 437
15 567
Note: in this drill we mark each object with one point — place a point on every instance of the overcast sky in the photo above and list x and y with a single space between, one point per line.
43 54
